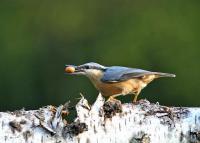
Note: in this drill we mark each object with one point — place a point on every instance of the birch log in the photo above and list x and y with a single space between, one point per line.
103 122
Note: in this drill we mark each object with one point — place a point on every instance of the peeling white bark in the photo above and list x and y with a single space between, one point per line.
103 122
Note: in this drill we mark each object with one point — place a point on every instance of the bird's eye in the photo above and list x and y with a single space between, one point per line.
87 67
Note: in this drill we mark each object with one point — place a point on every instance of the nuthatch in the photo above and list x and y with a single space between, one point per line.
116 80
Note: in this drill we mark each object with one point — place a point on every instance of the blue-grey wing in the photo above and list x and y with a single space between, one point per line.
117 74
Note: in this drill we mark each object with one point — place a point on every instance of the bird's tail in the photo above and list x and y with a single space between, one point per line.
160 74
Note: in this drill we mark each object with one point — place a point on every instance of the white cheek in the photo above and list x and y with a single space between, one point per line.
94 74
89 73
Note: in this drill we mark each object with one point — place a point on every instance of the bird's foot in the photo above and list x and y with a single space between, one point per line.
135 99
141 101
135 102
112 99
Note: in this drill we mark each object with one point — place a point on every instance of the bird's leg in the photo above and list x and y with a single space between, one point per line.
112 98
136 96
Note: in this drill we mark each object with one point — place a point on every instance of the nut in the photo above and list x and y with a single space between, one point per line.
70 69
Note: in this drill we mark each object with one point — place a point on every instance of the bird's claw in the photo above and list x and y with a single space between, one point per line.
112 99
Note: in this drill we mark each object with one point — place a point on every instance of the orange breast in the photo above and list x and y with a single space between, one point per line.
125 87
109 89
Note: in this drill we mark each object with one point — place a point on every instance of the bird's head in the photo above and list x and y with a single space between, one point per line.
88 69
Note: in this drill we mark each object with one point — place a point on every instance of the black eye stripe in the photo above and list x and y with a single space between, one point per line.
90 67
87 67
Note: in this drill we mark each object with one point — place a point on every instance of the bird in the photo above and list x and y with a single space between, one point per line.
113 81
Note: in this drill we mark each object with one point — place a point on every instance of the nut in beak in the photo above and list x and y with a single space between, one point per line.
69 69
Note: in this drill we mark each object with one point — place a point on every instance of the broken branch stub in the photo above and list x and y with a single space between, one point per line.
107 122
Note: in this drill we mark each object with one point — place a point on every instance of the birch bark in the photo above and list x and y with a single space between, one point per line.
103 122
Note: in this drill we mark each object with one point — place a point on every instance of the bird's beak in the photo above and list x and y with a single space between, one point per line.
72 69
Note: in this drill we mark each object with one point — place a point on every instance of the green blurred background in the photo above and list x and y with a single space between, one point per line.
37 38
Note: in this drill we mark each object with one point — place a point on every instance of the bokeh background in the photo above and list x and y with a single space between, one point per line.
37 38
